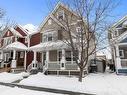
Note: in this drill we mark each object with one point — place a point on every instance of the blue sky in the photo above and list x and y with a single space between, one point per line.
34 11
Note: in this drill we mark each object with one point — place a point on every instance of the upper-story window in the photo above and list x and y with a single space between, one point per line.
50 37
60 15
7 40
47 36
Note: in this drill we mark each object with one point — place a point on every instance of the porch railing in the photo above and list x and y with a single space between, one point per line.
56 66
124 63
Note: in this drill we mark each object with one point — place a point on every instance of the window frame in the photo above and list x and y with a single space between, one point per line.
122 52
59 14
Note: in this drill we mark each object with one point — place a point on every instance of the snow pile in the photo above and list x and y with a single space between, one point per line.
24 74
99 84
9 77
19 91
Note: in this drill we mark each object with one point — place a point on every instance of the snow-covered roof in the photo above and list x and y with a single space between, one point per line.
30 29
16 46
49 46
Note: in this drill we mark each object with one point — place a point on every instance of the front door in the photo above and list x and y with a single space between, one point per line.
20 58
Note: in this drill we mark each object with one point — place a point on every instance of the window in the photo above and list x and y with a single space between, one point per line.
121 53
49 22
47 37
50 37
60 15
44 38
59 56
68 55
21 54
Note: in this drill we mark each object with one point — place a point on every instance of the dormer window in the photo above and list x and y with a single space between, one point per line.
60 15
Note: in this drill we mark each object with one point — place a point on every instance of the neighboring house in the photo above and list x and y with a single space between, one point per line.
56 56
117 35
14 47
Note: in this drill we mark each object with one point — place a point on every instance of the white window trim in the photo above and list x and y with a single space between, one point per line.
62 11
58 56
21 54
122 53
48 33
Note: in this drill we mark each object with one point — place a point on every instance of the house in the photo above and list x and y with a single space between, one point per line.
14 47
56 56
117 35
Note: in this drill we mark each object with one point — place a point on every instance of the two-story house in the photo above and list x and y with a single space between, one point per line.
14 47
117 35
56 55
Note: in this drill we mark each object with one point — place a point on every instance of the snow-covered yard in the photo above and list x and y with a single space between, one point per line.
100 84
19 91
10 77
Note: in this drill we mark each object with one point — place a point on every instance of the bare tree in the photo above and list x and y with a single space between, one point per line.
92 16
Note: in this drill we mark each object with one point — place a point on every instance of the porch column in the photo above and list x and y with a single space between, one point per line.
25 61
63 60
47 58
34 62
118 61
13 64
1 57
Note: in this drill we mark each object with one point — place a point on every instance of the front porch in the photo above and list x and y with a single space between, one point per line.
56 58
121 58
14 56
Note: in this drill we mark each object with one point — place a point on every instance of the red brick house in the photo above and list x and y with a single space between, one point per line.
14 46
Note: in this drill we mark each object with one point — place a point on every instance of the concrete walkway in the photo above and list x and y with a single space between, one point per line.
44 89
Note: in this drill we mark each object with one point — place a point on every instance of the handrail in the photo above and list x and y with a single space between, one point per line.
29 67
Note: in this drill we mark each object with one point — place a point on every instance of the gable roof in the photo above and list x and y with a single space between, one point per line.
15 33
51 15
119 22
27 31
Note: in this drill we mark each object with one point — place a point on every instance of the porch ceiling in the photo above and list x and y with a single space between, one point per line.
49 46
16 46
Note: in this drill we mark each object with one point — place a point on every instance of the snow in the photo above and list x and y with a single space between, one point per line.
30 28
19 91
10 77
16 45
24 74
49 45
99 84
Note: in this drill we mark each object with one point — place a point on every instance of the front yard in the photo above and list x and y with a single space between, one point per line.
99 84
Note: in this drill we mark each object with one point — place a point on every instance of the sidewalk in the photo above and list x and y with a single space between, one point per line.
43 89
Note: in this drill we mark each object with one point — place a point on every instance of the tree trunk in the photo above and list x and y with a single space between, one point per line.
80 75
